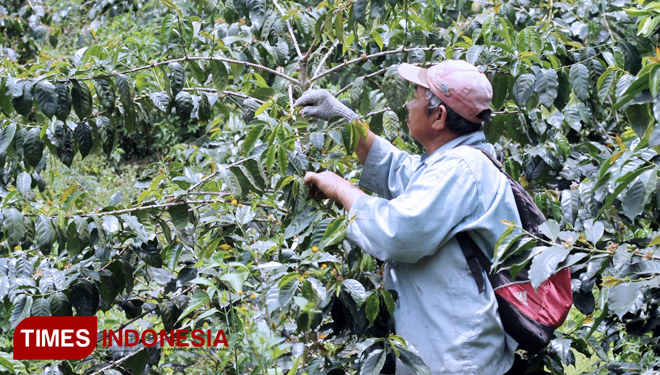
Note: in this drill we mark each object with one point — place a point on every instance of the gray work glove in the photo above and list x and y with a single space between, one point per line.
323 105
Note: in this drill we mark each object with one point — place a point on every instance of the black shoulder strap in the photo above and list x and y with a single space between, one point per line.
476 259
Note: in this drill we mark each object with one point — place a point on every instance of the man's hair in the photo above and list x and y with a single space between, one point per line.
456 123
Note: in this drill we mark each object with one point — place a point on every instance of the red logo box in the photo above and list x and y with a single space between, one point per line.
55 337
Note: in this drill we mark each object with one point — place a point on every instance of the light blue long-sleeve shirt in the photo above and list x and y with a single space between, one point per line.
423 203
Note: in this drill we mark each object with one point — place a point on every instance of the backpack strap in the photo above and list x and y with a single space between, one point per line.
476 259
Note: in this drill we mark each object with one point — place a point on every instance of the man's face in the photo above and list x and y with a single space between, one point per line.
419 123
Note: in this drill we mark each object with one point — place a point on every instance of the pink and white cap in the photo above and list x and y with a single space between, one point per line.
459 84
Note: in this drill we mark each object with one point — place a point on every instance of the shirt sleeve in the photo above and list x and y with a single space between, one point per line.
387 170
421 219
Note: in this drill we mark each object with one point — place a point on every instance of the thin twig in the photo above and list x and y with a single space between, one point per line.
325 57
374 113
367 57
217 172
224 93
370 75
117 362
288 25
206 58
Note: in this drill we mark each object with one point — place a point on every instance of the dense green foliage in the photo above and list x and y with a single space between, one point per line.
219 230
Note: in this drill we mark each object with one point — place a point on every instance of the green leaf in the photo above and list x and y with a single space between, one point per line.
196 300
23 182
45 234
546 86
594 230
256 12
14 226
105 93
150 253
168 24
288 286
634 202
249 107
180 215
125 88
377 9
545 264
294 368
633 60
60 305
570 201
413 361
220 75
177 78
84 138
360 11
640 118
473 53
335 233
8 365
523 89
356 91
63 101
160 100
395 88
356 290
281 51
108 287
184 105
282 159
374 362
6 137
579 76
623 182
81 99
65 145
23 103
19 138
389 301
41 307
21 310
605 83
252 138
372 306
32 147
137 363
300 222
107 133
654 80
621 298
46 96
494 128
501 84
204 113
391 125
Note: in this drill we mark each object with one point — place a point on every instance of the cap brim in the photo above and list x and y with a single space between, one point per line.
414 74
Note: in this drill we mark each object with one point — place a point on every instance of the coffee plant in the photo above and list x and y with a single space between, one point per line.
222 232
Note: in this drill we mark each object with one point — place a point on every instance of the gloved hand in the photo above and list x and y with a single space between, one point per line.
323 105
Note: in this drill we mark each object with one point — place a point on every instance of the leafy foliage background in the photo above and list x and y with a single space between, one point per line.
193 100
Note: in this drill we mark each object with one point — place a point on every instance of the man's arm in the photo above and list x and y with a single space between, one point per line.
415 224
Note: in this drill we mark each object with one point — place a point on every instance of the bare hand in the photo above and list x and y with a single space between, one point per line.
327 183
334 187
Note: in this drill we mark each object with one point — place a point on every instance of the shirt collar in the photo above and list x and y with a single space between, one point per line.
472 139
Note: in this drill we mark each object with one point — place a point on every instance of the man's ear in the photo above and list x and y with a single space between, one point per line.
440 118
